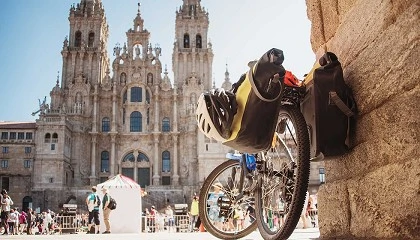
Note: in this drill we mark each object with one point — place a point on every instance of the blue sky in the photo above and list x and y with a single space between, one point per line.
32 35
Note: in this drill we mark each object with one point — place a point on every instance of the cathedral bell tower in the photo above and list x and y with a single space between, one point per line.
192 61
192 55
85 58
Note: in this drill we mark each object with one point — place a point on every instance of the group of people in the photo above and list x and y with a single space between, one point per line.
94 203
165 219
156 221
240 219
16 222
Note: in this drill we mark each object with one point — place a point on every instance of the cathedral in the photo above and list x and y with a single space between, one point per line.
118 116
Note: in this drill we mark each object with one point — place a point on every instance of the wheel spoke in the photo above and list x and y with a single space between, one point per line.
218 213
285 177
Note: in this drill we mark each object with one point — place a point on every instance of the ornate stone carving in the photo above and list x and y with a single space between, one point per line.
84 168
184 168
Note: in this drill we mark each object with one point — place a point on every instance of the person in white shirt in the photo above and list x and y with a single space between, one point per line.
6 202
48 221
13 217
170 217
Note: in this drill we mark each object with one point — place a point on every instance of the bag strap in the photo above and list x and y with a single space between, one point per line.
255 89
340 104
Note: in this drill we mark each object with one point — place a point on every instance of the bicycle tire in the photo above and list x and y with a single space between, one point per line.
283 184
221 175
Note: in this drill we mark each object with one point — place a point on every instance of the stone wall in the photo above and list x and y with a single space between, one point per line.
374 191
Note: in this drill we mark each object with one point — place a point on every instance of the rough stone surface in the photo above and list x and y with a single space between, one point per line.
373 192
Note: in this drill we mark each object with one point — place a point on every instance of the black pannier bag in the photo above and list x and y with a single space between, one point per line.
258 99
328 108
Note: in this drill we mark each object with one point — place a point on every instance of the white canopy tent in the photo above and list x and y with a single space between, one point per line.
126 218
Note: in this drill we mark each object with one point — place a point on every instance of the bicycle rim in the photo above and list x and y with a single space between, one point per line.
220 216
284 179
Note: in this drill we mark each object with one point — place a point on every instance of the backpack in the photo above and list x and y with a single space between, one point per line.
112 203
97 201
258 99
329 108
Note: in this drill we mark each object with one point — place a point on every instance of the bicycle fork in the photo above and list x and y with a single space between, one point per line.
247 166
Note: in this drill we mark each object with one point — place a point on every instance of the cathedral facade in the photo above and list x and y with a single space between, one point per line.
123 115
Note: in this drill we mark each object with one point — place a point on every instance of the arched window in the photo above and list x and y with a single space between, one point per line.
135 122
166 161
148 116
142 157
166 125
54 138
136 94
91 39
47 138
186 40
129 157
26 202
198 41
78 39
105 124
105 161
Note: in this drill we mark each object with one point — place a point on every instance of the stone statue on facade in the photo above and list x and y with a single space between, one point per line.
42 107
65 42
117 50
137 51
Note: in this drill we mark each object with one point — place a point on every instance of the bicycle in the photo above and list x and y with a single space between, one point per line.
263 181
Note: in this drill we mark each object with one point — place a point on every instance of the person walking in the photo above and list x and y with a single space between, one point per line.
29 220
194 213
93 207
106 210
6 202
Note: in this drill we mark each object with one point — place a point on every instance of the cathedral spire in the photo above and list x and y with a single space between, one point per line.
87 8
58 76
227 72
191 8
192 24
138 21
227 84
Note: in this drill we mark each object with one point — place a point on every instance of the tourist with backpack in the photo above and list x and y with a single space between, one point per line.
93 202
106 209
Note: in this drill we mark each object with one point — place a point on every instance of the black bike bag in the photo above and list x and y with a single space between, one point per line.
328 108
258 99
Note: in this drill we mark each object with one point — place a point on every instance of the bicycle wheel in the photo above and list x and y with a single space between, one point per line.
220 210
283 179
